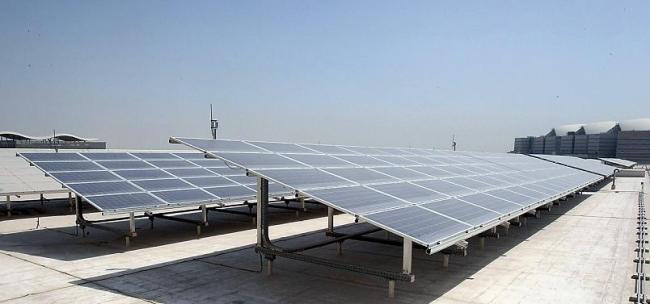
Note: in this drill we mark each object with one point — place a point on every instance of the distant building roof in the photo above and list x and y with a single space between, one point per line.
64 137
599 127
565 130
642 124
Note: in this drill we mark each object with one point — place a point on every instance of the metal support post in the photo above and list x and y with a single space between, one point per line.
269 267
70 203
8 205
262 203
204 215
302 203
42 199
445 261
407 256
391 288
339 248
481 242
132 232
330 219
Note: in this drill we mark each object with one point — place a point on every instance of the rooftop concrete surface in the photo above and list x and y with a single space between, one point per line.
580 251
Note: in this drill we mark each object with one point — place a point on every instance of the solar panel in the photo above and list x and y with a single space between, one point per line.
578 163
431 197
117 182
619 162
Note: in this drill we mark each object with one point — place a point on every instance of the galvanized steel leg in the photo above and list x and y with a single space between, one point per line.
302 202
445 261
269 267
8 205
330 219
391 288
407 256
481 243
42 199
70 201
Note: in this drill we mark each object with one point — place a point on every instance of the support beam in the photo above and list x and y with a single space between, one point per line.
8 205
330 219
407 256
262 204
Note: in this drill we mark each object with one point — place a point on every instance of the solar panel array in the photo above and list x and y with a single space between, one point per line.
428 196
117 182
619 162
579 163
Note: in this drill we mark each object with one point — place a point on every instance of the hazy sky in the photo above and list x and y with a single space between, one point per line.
392 73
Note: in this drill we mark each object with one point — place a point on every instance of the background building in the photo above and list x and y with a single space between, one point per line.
60 141
628 140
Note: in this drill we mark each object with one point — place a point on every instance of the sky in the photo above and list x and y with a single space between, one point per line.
377 73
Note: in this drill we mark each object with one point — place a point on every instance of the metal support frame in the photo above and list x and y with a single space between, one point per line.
270 251
8 197
640 277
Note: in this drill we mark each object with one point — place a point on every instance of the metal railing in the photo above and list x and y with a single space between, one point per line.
641 252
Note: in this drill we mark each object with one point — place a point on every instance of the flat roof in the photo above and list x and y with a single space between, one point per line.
584 253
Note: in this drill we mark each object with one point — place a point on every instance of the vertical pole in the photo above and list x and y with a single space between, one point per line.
8 205
407 256
445 261
42 199
391 288
204 215
482 243
70 201
262 204
330 219
302 202
132 224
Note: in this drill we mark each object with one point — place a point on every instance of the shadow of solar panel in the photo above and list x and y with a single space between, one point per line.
232 191
420 224
88 189
142 174
361 175
82 176
56 166
185 196
409 192
124 201
41 156
162 184
463 211
491 202
305 178
357 199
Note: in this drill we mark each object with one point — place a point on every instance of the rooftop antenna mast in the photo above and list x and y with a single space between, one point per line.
214 124
54 143
453 142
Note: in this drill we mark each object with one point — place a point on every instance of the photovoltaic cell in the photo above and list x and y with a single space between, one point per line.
419 223
409 192
463 211
358 199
